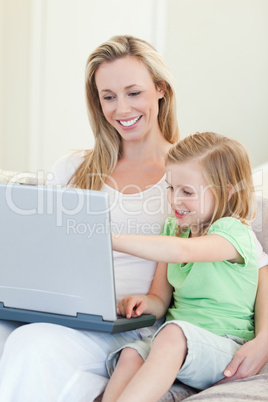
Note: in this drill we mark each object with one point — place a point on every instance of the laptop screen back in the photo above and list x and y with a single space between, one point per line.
56 252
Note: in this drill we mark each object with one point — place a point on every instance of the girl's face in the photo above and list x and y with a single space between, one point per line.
189 195
128 97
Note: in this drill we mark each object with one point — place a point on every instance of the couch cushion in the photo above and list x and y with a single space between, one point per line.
21 177
251 389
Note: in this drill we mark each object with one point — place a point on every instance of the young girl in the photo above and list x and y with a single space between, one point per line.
211 273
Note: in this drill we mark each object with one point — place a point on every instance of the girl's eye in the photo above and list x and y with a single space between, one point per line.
169 188
187 192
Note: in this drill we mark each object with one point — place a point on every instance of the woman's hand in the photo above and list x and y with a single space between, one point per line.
253 355
247 361
132 306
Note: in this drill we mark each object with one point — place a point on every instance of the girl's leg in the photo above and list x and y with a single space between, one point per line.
46 362
127 366
159 371
208 355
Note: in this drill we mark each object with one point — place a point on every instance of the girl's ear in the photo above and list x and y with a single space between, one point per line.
230 191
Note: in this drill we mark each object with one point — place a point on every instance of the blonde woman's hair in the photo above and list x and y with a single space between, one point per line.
102 159
225 165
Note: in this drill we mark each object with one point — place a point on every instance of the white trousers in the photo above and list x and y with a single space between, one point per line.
51 363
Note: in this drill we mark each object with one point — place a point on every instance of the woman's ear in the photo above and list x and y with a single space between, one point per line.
161 87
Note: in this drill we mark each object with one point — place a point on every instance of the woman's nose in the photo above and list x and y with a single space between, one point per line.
123 105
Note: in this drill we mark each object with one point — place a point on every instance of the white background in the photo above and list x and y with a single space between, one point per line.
217 50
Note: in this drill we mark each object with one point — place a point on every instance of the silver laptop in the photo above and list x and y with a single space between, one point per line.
56 259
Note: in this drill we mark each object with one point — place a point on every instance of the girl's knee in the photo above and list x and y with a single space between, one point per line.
172 332
172 337
130 355
170 344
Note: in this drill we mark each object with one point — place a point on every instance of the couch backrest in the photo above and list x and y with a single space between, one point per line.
260 224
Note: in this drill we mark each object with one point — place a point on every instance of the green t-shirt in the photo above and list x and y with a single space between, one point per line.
217 296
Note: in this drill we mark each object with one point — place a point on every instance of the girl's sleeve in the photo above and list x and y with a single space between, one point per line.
238 234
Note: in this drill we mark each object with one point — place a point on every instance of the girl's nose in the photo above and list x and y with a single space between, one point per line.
174 200
178 202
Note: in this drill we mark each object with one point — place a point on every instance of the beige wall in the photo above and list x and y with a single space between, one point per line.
45 48
217 51
1 78
15 18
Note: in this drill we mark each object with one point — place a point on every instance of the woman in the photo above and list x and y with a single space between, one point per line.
132 111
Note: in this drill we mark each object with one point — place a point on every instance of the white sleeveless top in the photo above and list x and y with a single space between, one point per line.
140 213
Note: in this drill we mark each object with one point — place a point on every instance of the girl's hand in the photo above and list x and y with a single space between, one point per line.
132 306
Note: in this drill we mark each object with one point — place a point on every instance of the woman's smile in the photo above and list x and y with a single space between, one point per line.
130 123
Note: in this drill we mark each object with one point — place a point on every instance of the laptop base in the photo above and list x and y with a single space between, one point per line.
80 321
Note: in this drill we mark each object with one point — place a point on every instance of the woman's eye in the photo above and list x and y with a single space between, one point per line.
169 188
134 93
109 97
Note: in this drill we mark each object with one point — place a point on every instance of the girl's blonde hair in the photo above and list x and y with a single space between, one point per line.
100 162
225 165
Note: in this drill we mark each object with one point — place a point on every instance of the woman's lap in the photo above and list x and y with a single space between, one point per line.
6 328
44 362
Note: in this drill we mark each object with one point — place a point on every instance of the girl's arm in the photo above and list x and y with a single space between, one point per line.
209 248
156 302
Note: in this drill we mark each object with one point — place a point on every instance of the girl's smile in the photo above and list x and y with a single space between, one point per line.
181 214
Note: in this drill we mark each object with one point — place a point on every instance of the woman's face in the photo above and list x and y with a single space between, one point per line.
128 97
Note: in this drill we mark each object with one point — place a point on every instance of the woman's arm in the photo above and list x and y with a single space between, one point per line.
253 355
209 248
157 300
